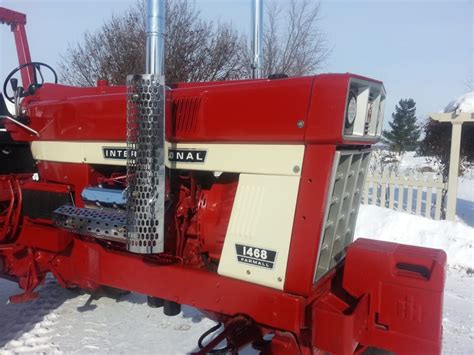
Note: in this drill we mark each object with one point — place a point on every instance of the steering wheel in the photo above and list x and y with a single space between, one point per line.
33 86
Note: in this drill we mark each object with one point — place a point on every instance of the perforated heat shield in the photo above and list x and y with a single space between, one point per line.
145 163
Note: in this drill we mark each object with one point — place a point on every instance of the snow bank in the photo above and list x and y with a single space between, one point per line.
455 238
411 163
464 103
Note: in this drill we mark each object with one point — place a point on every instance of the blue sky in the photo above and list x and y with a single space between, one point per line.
420 49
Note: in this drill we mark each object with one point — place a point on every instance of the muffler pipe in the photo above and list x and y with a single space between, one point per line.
257 39
155 37
146 97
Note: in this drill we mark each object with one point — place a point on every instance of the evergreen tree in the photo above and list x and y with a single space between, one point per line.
404 132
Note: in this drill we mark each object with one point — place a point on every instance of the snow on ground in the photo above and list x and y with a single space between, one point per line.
458 313
411 163
62 321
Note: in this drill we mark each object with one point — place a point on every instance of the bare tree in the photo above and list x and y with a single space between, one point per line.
112 52
294 43
196 49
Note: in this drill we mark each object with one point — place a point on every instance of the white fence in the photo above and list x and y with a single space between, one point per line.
420 195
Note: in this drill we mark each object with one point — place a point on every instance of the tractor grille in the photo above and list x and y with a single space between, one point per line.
347 181
145 163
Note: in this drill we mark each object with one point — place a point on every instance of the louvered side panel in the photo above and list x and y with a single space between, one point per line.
186 113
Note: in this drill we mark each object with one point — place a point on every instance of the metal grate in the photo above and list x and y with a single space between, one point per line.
185 112
348 177
103 224
145 163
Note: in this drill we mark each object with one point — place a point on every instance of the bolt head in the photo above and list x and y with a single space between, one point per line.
300 124
136 97
296 169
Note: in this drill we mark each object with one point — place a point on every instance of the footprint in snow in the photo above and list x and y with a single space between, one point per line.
90 330
34 340
182 327
91 347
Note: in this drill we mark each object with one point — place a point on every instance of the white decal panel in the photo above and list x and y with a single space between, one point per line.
270 159
259 233
267 159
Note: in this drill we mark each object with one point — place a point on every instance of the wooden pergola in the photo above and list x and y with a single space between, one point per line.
457 119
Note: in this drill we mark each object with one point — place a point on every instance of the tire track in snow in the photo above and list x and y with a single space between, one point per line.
458 313
29 327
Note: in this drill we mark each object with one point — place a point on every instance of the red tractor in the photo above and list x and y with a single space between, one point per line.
239 198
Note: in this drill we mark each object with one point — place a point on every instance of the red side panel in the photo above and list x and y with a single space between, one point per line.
89 265
63 113
309 218
44 237
326 115
264 111
296 110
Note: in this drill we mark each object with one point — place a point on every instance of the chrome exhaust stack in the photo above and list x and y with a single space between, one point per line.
145 142
155 37
257 39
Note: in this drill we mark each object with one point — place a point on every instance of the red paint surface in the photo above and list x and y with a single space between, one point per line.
262 111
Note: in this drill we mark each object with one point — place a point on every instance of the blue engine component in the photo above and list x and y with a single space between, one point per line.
104 197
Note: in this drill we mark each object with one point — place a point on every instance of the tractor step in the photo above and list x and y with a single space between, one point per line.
97 223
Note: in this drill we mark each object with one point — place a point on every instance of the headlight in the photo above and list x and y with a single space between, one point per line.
351 111
364 102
